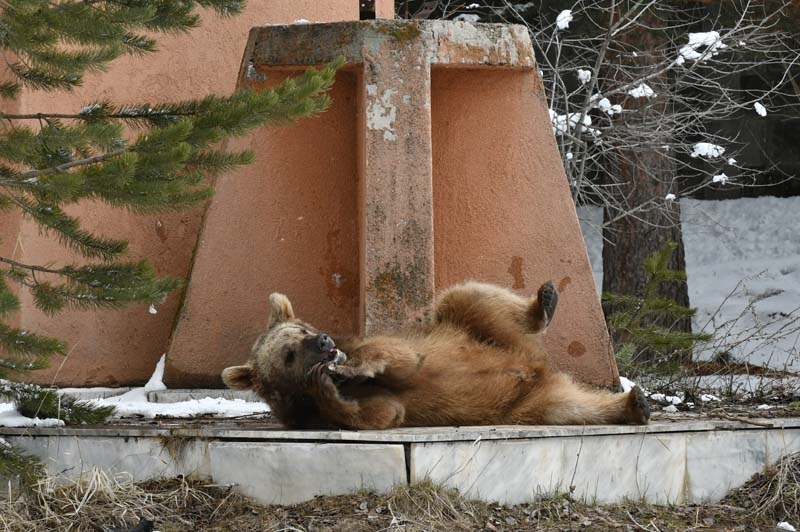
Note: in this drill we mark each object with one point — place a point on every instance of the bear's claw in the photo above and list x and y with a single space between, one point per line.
320 382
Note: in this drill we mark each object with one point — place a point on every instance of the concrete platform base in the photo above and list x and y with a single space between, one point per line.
664 462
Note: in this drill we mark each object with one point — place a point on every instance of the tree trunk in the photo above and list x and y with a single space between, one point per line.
632 238
638 220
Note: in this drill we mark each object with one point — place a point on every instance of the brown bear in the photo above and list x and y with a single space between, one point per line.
477 362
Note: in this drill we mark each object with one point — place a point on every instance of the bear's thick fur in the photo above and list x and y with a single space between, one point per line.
478 362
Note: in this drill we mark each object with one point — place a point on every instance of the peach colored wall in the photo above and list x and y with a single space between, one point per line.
503 211
294 229
384 9
109 348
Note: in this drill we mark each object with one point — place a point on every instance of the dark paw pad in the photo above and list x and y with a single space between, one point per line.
548 299
638 406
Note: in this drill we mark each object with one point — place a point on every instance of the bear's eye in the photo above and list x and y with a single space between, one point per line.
289 358
305 331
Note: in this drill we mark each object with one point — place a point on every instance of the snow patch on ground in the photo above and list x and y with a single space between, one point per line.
134 403
666 399
743 268
10 417
627 384
156 382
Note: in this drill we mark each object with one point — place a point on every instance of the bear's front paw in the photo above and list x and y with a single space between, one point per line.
320 383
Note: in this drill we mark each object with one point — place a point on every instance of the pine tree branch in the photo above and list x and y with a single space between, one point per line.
18 184
77 162
80 116
17 464
52 218
30 267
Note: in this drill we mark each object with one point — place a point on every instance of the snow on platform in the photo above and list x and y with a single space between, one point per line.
664 462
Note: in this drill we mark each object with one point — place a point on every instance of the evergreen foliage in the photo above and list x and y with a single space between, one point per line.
643 323
50 161
34 401
17 467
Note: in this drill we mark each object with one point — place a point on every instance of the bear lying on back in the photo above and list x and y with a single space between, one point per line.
477 363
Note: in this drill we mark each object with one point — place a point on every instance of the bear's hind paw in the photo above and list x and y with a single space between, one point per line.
547 297
637 408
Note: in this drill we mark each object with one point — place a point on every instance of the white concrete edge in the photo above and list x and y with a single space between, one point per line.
229 430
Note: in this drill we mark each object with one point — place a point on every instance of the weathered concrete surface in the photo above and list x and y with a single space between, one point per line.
140 459
119 348
678 467
665 462
269 431
436 164
288 473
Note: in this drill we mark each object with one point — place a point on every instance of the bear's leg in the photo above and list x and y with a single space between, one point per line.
368 413
496 315
561 401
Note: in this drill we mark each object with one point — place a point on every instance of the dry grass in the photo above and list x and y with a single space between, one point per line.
774 494
103 502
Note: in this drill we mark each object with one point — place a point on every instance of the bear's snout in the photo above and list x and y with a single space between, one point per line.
325 343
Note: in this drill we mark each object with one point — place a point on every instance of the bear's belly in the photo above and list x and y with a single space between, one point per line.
467 395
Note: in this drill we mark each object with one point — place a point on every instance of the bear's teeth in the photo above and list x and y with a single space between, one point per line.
340 357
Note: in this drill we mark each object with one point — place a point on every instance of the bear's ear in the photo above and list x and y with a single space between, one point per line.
281 309
238 377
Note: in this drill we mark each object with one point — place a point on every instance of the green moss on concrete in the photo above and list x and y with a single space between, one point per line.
401 32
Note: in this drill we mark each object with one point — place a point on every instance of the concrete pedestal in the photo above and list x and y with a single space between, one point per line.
435 164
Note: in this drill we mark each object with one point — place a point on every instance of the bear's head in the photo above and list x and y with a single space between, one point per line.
283 355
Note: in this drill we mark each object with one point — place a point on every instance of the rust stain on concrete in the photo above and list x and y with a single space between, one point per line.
516 273
576 349
564 283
